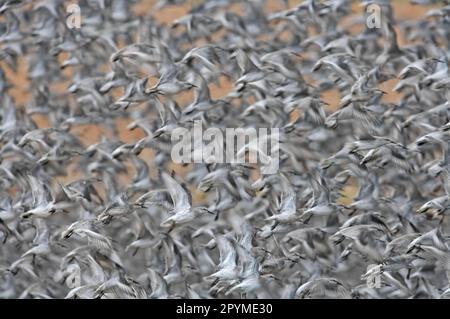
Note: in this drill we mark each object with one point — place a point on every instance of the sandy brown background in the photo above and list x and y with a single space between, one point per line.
90 134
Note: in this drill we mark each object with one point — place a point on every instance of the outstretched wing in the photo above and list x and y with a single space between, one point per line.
180 196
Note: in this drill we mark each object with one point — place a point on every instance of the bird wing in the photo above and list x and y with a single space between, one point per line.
180 196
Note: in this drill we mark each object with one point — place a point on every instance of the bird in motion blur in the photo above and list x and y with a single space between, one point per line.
93 203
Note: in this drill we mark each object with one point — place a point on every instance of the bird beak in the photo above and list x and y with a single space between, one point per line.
438 60
141 205
157 134
67 235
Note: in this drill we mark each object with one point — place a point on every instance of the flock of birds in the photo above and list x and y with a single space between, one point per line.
108 220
